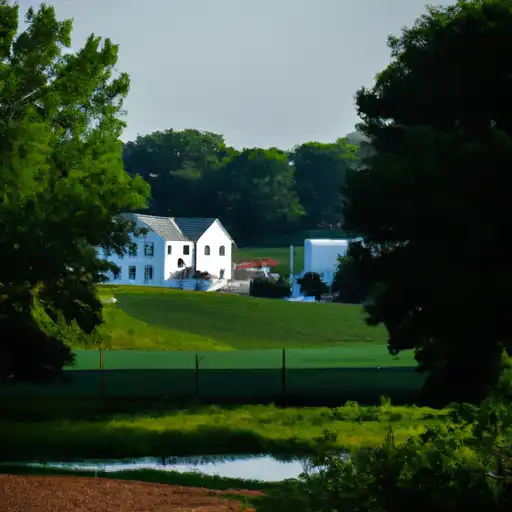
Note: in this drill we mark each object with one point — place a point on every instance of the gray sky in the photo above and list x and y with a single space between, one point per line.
261 72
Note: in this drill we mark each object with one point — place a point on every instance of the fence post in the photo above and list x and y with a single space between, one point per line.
102 375
283 377
197 377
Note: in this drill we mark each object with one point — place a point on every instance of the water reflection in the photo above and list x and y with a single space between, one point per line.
261 468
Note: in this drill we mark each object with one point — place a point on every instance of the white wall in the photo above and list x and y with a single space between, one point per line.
215 237
321 256
140 261
171 260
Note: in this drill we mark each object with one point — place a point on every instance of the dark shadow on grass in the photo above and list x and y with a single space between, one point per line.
65 442
289 496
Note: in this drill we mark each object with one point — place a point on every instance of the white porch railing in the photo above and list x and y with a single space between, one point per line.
190 284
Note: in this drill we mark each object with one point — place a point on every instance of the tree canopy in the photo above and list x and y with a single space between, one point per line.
320 172
256 187
194 173
62 186
177 165
432 202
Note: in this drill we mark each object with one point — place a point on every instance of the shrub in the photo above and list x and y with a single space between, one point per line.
311 285
445 469
268 288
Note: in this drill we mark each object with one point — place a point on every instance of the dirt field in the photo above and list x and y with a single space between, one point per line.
77 494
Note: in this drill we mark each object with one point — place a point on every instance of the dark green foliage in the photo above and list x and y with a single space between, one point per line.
62 183
448 467
351 284
180 167
432 203
255 190
347 284
320 171
257 193
268 288
311 285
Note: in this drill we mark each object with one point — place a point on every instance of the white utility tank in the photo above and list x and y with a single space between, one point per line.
321 256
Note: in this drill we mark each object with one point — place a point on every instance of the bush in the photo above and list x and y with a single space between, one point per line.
449 467
311 285
268 288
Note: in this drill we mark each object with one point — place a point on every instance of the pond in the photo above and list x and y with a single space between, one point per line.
261 468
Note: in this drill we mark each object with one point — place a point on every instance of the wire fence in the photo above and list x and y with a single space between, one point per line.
189 377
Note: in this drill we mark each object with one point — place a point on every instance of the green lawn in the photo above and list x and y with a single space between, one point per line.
158 318
356 356
221 327
282 254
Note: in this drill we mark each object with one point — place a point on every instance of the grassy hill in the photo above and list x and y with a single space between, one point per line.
151 318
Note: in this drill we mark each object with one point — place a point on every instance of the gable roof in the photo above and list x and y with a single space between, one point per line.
193 228
163 226
177 229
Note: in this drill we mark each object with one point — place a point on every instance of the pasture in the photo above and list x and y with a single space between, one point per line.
150 318
218 348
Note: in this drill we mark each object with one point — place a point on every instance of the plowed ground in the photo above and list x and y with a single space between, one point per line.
80 494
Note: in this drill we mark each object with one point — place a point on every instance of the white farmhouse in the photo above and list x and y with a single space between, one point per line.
173 251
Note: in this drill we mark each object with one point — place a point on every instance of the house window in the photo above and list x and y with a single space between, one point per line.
149 249
119 275
181 263
222 251
207 250
148 273
169 249
186 249
132 273
132 250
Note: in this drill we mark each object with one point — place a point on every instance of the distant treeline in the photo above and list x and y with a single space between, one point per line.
259 194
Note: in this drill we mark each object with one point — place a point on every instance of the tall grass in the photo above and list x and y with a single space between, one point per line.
206 431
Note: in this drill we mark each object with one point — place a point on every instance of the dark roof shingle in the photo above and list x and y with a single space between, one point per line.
163 226
193 228
175 229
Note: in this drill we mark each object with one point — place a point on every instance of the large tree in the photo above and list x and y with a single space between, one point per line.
320 171
62 185
177 165
257 195
433 202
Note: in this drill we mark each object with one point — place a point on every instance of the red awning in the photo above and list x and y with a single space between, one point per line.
263 262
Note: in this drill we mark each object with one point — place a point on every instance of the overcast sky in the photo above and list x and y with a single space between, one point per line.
261 72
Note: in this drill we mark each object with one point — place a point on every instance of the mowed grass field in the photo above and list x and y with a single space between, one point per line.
216 325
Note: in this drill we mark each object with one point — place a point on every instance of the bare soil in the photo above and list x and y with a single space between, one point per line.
80 494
